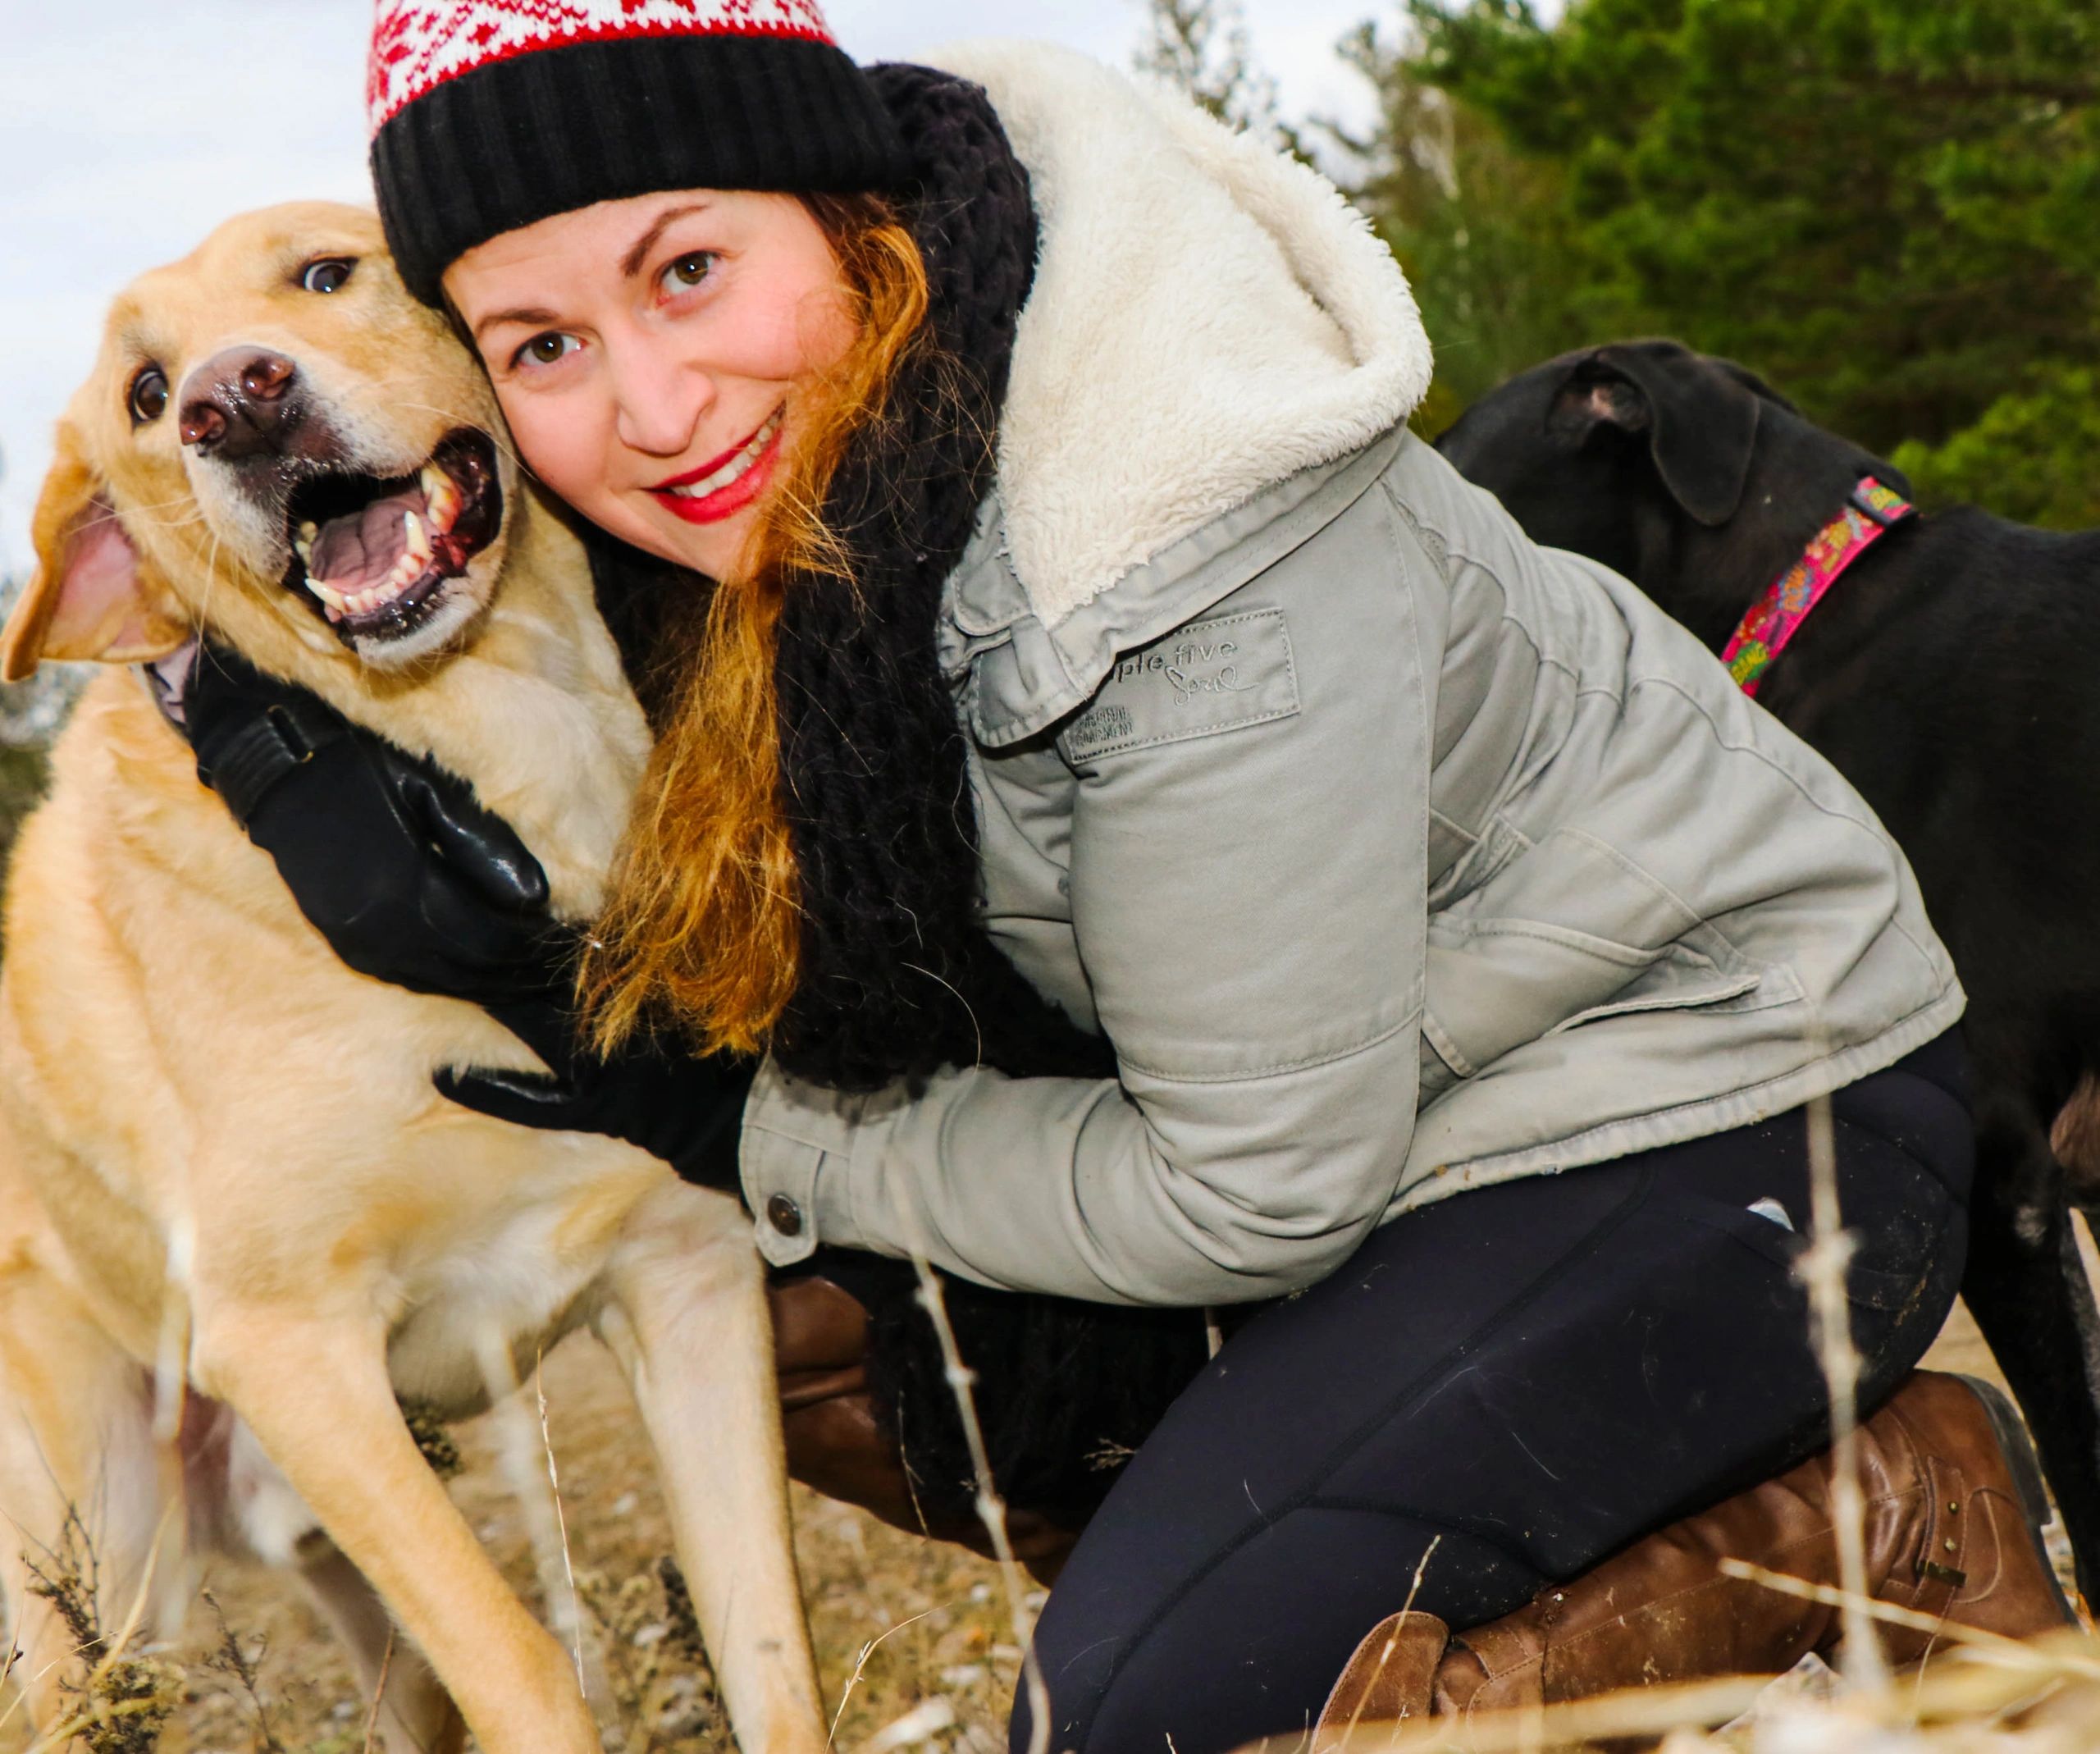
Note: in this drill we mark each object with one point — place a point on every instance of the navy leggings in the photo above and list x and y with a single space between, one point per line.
1530 1376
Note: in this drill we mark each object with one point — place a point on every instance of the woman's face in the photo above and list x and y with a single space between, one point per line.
648 352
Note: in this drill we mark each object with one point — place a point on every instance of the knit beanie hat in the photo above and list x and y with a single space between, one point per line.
489 115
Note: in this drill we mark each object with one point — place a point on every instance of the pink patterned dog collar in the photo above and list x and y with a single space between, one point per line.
1762 633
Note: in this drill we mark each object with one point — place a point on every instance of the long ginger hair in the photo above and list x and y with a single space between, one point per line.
703 929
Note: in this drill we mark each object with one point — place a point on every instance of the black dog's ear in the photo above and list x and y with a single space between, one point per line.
1701 422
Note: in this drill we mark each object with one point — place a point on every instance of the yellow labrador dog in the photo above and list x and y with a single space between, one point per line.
236 1221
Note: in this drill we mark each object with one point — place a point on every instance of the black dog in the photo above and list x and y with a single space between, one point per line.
1951 675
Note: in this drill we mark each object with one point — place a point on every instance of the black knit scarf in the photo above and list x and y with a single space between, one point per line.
898 977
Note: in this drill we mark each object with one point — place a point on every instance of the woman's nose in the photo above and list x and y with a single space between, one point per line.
658 402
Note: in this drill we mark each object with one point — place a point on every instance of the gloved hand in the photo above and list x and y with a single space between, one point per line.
390 857
688 1110
413 882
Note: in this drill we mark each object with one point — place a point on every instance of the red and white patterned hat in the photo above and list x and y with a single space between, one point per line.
488 115
419 43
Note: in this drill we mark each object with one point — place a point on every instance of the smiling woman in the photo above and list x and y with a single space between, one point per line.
645 350
757 334
1173 844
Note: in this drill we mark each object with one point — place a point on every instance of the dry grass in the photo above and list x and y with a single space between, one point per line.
127 1693
914 1638
908 1622
920 1630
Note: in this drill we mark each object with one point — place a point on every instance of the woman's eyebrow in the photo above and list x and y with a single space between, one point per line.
496 319
631 263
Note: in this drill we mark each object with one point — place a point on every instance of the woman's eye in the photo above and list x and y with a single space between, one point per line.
148 396
545 350
327 275
688 271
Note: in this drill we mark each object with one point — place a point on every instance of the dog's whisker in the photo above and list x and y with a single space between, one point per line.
211 579
501 616
495 437
150 514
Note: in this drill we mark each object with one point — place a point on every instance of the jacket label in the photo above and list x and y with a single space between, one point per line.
1208 677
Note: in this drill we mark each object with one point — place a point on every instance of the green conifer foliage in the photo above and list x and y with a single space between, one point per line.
1890 209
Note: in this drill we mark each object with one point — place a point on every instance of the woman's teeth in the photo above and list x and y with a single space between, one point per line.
737 468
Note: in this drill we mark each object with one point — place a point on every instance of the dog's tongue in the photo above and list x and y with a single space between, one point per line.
358 551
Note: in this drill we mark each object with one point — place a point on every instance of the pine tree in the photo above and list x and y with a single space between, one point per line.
1892 210
1200 46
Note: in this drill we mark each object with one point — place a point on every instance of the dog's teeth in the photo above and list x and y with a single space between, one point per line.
442 496
412 527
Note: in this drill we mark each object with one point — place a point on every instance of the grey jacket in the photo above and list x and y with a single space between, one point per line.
1394 855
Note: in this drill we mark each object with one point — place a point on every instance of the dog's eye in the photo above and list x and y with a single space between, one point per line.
148 396
327 275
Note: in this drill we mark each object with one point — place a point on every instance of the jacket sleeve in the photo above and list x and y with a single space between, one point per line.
1248 906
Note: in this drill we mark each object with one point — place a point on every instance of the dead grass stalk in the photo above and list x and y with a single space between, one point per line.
991 1509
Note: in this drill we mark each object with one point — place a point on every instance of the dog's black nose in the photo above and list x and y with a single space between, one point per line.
239 403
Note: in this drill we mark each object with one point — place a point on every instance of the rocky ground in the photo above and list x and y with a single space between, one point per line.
915 1639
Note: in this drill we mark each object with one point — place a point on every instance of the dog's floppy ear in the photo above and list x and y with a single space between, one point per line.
91 597
1701 422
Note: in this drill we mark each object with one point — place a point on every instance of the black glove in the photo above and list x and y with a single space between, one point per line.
389 855
414 883
687 1110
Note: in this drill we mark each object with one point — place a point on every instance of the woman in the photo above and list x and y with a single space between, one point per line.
1175 844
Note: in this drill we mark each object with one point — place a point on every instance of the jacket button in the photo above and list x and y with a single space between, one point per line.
784 1215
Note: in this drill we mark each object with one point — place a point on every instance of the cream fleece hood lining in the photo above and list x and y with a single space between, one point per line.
1208 318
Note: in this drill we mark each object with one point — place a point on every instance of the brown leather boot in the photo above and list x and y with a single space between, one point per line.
1954 1510
838 1445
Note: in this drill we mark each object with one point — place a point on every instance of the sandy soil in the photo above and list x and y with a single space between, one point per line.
915 1639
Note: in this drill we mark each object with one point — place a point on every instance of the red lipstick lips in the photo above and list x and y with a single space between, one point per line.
724 487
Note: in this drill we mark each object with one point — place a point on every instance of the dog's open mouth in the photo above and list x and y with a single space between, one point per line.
373 556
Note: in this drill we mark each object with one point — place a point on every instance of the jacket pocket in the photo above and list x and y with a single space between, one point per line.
1683 979
1493 985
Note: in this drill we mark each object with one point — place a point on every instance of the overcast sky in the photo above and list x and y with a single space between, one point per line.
128 128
